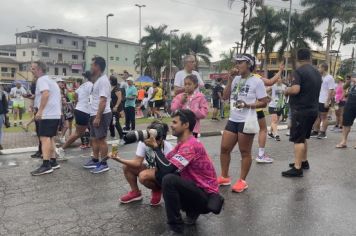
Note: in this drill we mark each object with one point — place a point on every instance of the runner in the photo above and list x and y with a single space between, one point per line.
3 112
157 100
81 113
326 95
276 106
18 102
48 99
217 98
130 104
189 66
247 92
100 116
349 110
192 100
340 101
143 167
304 94
116 106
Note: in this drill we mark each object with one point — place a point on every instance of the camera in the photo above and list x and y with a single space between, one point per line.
156 129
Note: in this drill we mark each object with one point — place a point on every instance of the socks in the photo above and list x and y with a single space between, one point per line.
261 151
53 160
46 162
95 160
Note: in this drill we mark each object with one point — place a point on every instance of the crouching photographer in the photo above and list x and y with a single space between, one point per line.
186 175
143 165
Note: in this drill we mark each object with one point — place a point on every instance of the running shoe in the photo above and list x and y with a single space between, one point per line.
91 164
60 153
224 181
277 138
54 165
191 218
42 170
293 172
101 167
271 135
36 155
239 186
62 140
314 134
122 142
288 133
322 135
305 165
155 198
83 146
131 196
264 159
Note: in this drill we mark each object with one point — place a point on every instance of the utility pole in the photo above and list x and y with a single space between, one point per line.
107 42
140 43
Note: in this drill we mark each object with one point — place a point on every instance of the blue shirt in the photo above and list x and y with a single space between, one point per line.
130 91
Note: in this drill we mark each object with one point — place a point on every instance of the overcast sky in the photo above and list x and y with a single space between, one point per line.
211 18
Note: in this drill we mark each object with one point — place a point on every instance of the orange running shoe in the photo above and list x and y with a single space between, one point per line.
239 186
224 181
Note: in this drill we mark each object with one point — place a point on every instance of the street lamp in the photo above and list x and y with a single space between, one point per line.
140 6
288 37
170 60
107 42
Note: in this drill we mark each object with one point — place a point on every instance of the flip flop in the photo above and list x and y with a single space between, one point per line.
341 146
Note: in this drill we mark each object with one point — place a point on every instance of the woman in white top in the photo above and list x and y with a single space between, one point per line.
275 107
247 92
81 113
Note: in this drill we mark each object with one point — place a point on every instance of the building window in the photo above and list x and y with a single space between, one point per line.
75 71
24 53
4 54
3 69
59 41
111 58
126 59
315 62
13 54
60 57
117 58
91 44
64 71
116 46
32 53
45 54
274 61
75 43
75 57
13 71
55 71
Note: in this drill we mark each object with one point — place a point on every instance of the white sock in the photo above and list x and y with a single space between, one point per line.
261 151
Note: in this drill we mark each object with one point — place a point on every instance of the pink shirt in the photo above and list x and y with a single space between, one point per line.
193 163
339 92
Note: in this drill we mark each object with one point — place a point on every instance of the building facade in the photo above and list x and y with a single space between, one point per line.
121 54
62 51
8 51
9 69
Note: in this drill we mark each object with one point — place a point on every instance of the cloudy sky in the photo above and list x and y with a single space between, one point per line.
211 18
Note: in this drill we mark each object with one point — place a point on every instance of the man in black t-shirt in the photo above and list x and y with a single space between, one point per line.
304 104
217 97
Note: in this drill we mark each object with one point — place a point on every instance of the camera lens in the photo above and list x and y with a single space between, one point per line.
135 136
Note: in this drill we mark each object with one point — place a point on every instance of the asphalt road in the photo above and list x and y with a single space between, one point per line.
72 201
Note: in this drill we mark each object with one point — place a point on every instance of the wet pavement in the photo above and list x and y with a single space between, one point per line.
72 201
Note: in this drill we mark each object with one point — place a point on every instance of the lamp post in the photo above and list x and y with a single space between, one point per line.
288 36
139 19
107 42
170 61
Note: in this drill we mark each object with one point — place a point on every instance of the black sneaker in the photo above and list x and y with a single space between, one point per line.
314 134
42 170
176 228
305 165
36 155
322 136
271 135
54 165
277 138
293 173
191 219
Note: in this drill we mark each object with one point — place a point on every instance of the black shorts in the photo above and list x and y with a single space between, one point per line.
349 115
216 103
273 110
48 127
341 104
260 115
322 108
158 103
235 127
81 118
150 104
301 125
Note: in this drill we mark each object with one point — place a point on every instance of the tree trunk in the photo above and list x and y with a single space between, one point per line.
328 41
338 49
265 63
252 4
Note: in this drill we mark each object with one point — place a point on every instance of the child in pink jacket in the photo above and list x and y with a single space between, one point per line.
193 100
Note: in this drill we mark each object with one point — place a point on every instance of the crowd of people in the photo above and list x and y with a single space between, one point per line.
185 175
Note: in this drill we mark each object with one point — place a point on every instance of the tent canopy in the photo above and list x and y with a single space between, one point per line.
145 79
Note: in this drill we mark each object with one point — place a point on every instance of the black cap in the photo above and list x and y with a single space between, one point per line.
86 74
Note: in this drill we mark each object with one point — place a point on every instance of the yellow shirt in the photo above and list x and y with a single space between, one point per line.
159 94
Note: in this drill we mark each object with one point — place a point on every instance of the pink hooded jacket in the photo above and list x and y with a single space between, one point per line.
196 103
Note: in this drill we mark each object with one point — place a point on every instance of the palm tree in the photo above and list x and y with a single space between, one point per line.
155 36
199 49
349 35
327 10
262 29
302 32
226 62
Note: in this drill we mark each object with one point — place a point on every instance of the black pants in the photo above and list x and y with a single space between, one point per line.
130 118
180 194
117 125
37 133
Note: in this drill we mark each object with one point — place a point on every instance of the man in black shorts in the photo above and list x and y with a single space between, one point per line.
217 98
48 97
304 104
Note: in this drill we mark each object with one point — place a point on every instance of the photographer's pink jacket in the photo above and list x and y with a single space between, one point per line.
196 103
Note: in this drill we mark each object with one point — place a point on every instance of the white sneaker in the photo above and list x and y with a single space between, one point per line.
62 140
60 153
121 142
264 159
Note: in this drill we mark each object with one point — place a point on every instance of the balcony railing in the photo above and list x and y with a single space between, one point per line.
7 74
